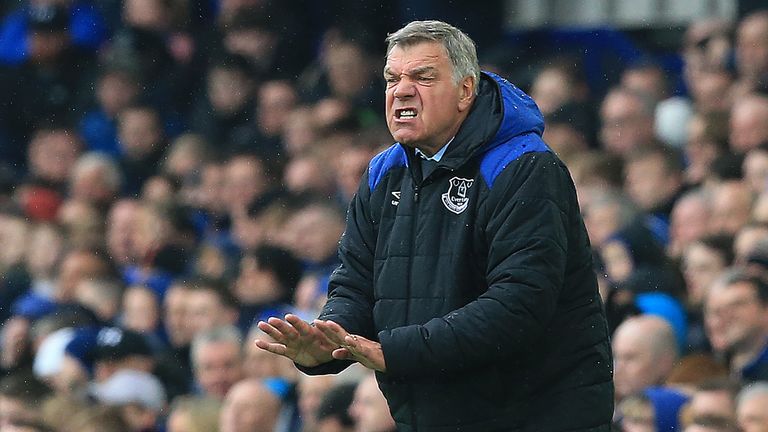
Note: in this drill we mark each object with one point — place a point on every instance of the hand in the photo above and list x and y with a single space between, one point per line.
297 340
353 347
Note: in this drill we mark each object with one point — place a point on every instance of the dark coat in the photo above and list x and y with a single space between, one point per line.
477 281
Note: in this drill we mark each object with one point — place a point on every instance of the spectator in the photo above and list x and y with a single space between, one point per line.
217 360
751 403
734 315
21 397
95 179
265 285
141 310
208 305
228 102
117 349
688 222
748 123
77 266
645 351
194 414
85 26
707 141
653 179
142 143
627 121
245 179
748 243
257 364
100 295
731 207
312 390
713 400
333 412
369 408
250 405
116 89
752 50
138 395
119 236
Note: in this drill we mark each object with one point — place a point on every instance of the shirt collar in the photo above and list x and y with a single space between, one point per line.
437 156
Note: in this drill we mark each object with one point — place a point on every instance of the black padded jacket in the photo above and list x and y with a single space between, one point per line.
477 281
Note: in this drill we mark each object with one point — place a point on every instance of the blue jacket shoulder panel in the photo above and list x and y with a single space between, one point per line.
380 165
496 159
519 132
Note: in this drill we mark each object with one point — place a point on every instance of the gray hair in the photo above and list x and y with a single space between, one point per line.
227 333
109 170
758 388
460 48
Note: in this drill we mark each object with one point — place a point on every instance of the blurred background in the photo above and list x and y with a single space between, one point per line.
173 171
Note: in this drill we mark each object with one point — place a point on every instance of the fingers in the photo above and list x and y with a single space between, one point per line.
275 348
342 354
302 327
334 332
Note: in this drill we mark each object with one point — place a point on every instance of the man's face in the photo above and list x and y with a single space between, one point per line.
715 403
218 367
625 126
752 47
635 361
204 310
424 106
733 316
369 408
648 182
752 414
175 316
249 407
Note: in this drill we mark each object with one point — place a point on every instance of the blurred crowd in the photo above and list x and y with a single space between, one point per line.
173 171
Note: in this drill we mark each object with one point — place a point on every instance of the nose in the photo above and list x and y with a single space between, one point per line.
405 88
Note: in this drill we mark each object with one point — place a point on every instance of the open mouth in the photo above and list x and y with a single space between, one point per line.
405 113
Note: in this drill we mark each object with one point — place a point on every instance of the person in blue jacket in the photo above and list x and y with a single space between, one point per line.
466 274
86 28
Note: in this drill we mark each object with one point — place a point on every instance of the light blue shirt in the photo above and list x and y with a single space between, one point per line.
437 156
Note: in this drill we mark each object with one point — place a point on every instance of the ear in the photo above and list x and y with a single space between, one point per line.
466 92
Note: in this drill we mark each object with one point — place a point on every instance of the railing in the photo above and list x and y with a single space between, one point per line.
529 14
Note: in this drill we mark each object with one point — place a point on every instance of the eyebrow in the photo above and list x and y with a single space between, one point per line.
417 71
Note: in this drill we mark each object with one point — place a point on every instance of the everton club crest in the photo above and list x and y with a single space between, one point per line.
456 199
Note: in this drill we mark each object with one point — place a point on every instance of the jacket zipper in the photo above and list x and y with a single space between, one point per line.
414 230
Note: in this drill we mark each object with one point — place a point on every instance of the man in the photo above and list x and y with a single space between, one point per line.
645 352
752 50
250 406
369 408
713 400
466 278
138 395
750 410
217 360
748 123
736 323
627 121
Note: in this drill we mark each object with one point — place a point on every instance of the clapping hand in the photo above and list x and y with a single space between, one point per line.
294 338
353 347
312 345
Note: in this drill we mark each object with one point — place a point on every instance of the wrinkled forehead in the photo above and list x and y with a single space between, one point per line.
422 54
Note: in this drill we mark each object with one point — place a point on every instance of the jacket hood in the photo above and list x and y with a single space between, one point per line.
500 112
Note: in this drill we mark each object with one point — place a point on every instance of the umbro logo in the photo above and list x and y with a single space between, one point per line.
396 201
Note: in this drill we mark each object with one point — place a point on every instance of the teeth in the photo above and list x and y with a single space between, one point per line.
407 114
